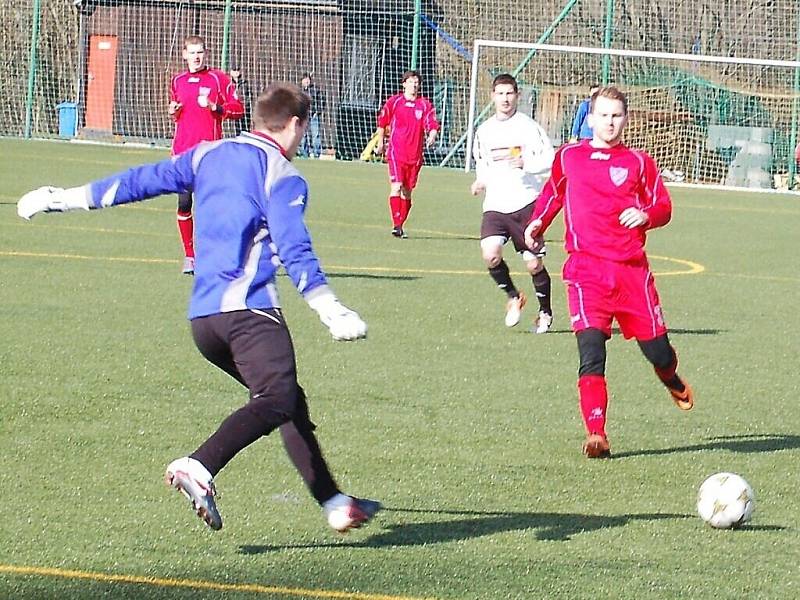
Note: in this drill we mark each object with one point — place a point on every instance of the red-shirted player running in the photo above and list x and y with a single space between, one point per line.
411 120
611 196
200 98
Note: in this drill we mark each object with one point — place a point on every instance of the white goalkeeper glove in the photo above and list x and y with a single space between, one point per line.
52 199
343 323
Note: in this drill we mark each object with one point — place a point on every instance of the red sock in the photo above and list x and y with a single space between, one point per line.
396 209
186 229
405 208
594 402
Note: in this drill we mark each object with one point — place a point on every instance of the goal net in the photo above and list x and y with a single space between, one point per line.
705 119
100 69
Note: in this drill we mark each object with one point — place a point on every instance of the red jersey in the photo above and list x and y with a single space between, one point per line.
195 122
408 120
594 185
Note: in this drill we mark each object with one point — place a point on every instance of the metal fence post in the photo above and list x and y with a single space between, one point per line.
32 68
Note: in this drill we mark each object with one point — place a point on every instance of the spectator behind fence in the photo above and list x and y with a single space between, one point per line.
311 145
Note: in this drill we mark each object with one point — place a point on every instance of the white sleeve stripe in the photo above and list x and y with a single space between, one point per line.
109 195
235 295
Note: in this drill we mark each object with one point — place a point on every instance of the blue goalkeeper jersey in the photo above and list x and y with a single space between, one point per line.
249 202
581 129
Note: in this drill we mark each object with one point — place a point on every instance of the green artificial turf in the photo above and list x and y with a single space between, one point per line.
467 431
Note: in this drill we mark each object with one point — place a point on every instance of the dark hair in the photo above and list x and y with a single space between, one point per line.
305 74
194 39
505 79
277 104
613 93
408 75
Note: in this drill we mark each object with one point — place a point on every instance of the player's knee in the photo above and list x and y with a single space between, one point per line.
491 259
492 251
535 266
277 407
269 414
592 352
658 351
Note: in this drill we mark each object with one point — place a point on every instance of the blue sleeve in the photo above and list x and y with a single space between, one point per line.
285 209
147 181
580 116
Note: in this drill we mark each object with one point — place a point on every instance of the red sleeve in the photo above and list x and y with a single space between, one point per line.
232 107
386 114
173 95
655 197
431 123
551 198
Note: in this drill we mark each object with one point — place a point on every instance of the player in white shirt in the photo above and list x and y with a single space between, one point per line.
513 156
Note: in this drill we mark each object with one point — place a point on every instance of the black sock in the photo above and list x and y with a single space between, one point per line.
304 451
502 277
541 283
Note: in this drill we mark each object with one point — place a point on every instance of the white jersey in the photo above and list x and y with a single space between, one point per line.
509 189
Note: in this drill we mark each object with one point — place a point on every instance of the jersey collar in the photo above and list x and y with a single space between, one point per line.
270 139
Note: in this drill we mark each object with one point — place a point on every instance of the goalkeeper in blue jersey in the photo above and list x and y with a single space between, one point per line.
581 130
249 203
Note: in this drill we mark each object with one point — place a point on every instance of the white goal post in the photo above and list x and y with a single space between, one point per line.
711 120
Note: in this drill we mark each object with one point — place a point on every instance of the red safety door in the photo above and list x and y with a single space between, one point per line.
100 82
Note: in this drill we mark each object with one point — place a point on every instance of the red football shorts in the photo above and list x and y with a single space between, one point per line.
404 173
600 290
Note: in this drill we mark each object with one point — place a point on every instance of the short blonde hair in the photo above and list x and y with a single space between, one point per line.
612 93
194 39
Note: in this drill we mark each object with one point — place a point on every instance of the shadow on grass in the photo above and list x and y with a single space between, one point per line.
422 236
615 331
748 443
371 276
558 527
697 331
551 332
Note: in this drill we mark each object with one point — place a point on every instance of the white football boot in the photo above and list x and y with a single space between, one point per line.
193 480
347 512
543 323
514 308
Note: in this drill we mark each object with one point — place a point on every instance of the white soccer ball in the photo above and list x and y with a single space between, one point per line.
725 501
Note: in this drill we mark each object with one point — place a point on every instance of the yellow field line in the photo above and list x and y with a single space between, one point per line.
50 227
753 209
197 584
84 257
692 267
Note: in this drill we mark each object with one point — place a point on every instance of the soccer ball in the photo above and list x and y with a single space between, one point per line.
725 501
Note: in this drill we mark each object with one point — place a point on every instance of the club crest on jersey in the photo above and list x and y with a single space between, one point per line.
618 175
418 113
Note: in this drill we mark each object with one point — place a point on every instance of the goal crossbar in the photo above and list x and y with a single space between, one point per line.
690 58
